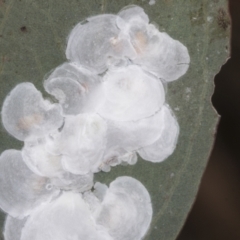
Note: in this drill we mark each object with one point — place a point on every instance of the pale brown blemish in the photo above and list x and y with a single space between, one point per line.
114 41
85 88
140 40
38 184
116 44
28 122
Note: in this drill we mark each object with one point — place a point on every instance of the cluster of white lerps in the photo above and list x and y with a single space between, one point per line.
111 106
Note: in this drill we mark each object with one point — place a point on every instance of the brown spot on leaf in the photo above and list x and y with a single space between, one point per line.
223 19
5 59
2 2
23 28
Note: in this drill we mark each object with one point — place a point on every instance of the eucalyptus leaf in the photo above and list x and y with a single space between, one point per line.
33 41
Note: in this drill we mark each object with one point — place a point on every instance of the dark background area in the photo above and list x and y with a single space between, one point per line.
216 212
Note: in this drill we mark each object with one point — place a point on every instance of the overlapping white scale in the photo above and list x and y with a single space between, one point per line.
131 12
166 143
100 190
137 28
22 190
131 135
74 182
126 209
94 198
97 43
131 94
37 157
66 218
116 155
111 157
92 201
158 53
25 114
140 35
40 160
13 228
129 158
77 89
82 143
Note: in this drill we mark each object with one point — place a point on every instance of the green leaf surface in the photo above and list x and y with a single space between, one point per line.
32 42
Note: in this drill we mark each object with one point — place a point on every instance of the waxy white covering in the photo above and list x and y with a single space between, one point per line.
131 94
21 189
40 160
82 142
132 135
164 146
13 228
73 182
111 106
67 217
76 88
107 40
25 114
97 43
125 210
156 52
121 212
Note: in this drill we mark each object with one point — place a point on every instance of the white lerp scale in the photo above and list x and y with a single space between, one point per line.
111 107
